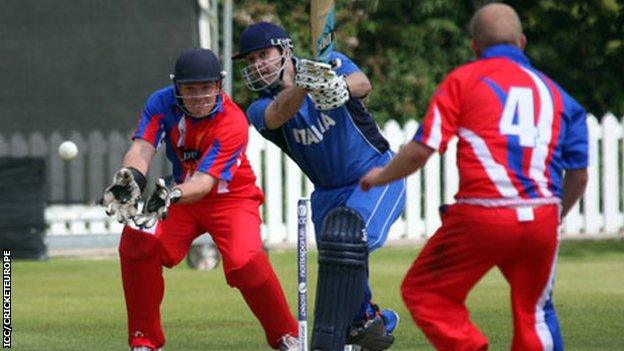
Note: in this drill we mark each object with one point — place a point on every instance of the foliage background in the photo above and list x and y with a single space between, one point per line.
407 46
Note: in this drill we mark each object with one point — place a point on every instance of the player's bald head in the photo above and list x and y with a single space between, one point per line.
494 24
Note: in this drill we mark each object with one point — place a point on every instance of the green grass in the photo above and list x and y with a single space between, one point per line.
69 304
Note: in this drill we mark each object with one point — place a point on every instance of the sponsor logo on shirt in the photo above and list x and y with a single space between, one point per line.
190 155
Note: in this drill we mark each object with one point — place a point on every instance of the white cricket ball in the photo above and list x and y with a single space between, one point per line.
68 150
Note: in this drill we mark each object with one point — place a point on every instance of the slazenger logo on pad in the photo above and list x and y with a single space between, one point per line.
314 134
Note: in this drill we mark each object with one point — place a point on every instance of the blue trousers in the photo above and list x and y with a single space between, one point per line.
379 207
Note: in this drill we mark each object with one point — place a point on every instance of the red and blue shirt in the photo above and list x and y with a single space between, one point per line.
518 130
214 145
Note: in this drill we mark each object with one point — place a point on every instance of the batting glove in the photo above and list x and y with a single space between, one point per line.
314 75
336 95
328 89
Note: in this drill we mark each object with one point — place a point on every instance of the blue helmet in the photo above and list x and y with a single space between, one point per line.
261 35
269 72
197 65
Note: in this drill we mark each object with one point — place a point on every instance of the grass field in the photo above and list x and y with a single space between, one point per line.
70 304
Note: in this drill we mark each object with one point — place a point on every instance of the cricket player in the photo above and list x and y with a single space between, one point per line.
522 156
316 115
213 191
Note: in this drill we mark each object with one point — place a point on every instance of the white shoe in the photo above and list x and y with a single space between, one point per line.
143 348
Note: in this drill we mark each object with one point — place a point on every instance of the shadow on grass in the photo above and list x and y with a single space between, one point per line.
593 248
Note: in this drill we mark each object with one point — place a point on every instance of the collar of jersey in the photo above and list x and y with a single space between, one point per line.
508 51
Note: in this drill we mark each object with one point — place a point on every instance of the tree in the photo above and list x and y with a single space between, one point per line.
579 44
406 47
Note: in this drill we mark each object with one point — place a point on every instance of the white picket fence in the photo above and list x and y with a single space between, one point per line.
599 214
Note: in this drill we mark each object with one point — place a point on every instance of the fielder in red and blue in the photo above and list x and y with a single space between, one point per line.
522 156
213 191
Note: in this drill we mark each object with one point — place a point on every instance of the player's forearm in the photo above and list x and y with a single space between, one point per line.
408 160
359 85
574 183
284 107
196 188
139 155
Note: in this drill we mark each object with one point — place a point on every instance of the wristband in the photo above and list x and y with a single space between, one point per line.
138 177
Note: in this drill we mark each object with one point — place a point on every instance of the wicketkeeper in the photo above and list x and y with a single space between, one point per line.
213 190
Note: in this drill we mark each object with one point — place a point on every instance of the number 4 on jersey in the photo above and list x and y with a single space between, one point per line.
519 103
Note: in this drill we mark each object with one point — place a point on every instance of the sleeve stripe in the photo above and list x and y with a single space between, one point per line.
149 129
435 137
207 161
430 135
227 174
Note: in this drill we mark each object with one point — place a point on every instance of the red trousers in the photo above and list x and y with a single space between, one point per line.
472 240
234 225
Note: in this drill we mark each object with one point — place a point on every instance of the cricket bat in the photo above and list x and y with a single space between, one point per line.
322 28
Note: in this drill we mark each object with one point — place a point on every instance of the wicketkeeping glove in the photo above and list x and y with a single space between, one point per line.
157 205
123 195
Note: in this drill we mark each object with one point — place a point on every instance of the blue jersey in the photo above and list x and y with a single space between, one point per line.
334 148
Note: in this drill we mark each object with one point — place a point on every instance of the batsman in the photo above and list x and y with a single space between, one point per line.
315 113
213 190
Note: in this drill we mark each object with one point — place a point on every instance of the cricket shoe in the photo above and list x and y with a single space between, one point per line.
391 319
374 333
289 343
144 348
